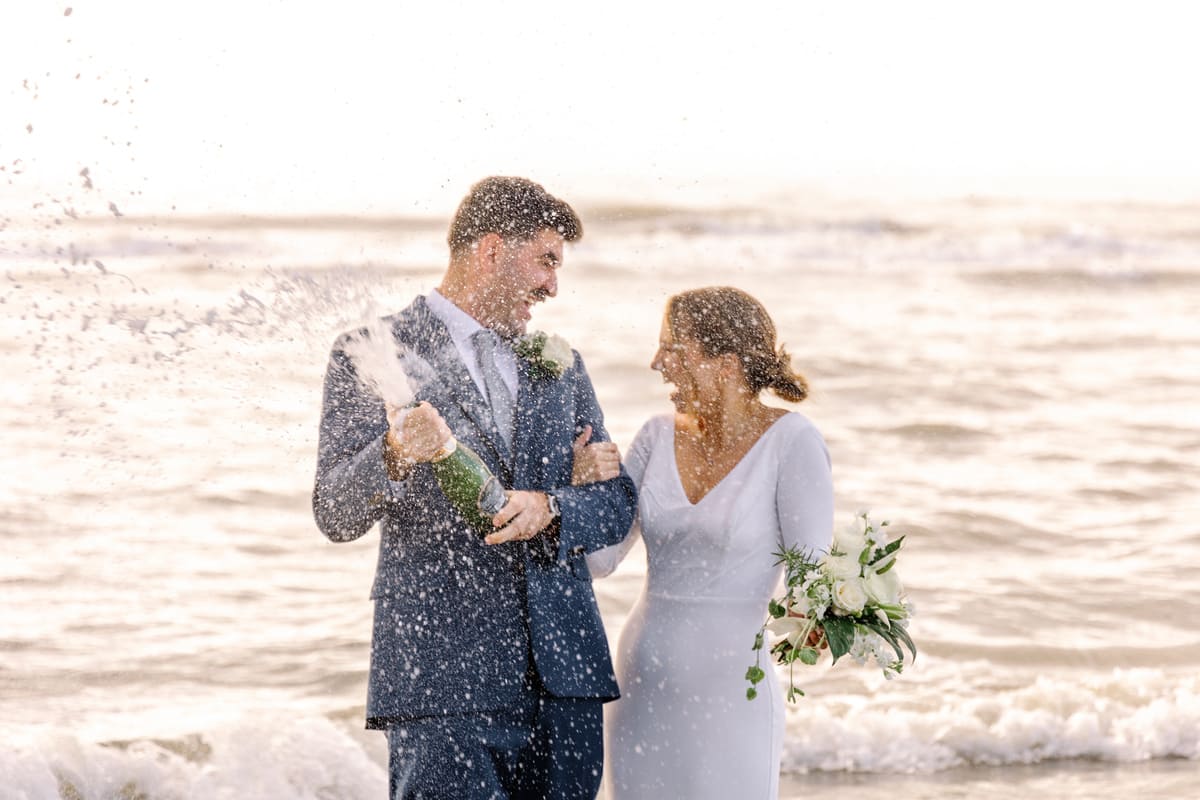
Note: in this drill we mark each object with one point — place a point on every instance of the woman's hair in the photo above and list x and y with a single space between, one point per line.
727 320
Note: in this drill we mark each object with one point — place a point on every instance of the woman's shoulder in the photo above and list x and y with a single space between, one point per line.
792 426
655 428
654 431
657 424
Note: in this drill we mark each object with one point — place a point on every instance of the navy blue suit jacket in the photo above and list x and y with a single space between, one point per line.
458 623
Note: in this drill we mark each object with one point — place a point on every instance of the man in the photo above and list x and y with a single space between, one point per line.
489 662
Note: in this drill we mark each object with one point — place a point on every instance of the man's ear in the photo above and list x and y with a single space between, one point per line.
488 251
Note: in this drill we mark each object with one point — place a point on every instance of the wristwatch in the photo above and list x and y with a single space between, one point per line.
552 504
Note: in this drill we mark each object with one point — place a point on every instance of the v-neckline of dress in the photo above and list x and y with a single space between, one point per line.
712 489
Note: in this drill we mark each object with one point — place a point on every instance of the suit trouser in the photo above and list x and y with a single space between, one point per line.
550 747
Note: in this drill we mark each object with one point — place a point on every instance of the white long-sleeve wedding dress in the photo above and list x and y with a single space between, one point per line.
683 727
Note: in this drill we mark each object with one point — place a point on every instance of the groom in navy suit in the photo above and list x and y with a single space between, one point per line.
489 662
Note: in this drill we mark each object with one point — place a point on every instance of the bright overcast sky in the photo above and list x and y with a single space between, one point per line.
379 107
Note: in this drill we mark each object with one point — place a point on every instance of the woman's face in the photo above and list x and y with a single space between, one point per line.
683 364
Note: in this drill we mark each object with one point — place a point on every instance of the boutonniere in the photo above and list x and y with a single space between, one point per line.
548 355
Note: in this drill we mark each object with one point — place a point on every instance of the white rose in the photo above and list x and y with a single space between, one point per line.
883 590
849 596
842 567
850 540
558 351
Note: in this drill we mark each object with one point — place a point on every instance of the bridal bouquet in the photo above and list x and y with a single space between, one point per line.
849 600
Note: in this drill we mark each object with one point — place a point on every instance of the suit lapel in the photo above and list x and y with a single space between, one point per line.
538 413
539 408
450 381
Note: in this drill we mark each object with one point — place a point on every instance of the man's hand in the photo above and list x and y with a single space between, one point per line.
524 516
414 435
596 462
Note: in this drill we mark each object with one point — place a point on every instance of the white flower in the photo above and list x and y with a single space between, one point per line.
786 625
558 352
878 533
851 540
883 590
548 355
849 597
819 596
791 628
843 566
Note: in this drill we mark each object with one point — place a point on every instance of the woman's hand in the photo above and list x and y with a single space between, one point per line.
596 462
816 636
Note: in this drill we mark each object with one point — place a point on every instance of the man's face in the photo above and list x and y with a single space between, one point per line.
525 274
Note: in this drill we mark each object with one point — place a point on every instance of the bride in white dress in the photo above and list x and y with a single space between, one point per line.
725 483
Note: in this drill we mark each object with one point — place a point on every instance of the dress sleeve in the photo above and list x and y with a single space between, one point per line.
604 562
804 492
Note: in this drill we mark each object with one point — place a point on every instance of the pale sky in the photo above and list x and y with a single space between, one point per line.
384 107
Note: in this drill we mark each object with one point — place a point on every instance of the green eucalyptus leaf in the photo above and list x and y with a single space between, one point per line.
755 674
809 655
751 693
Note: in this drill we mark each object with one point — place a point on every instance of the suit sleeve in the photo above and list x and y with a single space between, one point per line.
599 514
351 491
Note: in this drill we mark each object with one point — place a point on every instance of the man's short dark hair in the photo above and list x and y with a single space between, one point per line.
512 208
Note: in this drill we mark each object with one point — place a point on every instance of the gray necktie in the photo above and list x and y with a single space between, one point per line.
499 397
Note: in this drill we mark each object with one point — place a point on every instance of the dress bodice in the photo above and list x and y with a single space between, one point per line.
724 546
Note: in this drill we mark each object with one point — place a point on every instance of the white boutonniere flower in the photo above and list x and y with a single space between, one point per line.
548 355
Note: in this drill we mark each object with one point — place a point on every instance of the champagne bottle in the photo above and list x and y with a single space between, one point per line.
469 485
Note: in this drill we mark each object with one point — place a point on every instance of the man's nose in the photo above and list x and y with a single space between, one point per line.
551 284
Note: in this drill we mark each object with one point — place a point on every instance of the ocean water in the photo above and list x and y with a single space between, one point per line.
1014 385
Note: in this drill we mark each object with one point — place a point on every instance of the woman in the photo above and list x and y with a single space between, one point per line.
724 484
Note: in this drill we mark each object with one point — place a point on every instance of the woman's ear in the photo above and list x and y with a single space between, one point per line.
731 366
